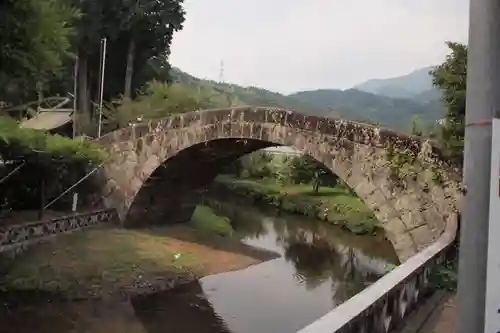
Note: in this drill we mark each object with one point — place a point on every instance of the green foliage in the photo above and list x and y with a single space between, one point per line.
39 35
28 144
415 128
157 100
281 169
138 30
256 165
436 175
285 170
402 165
451 79
35 37
58 160
335 205
445 276
204 219
305 169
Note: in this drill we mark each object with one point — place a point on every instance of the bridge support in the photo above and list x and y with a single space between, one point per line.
483 100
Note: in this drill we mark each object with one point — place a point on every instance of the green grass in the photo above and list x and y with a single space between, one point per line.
335 205
204 219
96 259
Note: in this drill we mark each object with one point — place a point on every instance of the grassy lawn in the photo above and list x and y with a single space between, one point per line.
336 205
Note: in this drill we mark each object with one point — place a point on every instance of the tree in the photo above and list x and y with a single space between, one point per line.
35 37
307 170
138 31
157 100
149 27
415 128
450 78
256 165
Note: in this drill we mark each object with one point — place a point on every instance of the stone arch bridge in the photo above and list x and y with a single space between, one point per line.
158 170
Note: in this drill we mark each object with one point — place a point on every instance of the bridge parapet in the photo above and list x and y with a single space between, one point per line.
384 305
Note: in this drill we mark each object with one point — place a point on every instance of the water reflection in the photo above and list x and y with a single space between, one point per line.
319 268
184 310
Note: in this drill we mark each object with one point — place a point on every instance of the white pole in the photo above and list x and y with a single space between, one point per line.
101 84
75 201
75 84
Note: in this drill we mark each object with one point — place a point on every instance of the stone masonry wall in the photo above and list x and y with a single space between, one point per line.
403 179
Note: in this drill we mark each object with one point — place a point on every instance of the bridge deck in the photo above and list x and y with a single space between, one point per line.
436 315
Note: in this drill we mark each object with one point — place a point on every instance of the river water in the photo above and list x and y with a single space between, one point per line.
319 267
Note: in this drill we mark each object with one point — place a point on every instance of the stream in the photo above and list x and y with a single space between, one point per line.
320 266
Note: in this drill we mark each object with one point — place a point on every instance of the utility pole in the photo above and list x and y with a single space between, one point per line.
102 68
483 101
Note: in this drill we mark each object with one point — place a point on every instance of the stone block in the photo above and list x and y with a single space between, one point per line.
385 212
363 189
374 199
434 219
413 219
394 227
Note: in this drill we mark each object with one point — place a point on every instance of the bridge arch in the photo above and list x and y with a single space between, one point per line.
166 164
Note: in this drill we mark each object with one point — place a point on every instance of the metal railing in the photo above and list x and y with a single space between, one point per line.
384 305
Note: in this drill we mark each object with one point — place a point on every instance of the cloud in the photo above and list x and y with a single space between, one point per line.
290 45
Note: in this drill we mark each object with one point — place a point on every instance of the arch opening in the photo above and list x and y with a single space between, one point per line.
172 191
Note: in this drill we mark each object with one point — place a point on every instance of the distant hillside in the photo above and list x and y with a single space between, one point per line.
406 86
350 104
237 95
354 104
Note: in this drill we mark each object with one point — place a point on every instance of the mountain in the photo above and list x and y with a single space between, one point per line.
350 104
358 105
406 86
233 94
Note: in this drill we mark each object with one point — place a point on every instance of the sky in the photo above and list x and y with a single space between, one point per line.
294 45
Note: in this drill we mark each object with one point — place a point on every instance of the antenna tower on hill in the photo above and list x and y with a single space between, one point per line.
221 72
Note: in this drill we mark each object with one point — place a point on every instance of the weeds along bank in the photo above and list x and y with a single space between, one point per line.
334 205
